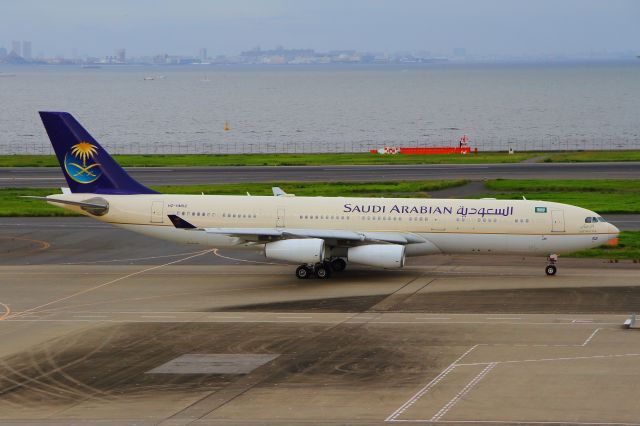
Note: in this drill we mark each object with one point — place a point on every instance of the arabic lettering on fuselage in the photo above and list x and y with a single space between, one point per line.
434 210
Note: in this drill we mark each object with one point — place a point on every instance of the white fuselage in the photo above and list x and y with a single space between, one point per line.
447 225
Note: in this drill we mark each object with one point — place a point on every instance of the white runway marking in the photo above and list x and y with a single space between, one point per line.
215 252
428 386
295 317
572 358
503 318
515 422
133 259
62 299
449 405
591 336
434 318
157 316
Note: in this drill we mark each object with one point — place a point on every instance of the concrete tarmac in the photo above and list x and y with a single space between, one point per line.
101 326
51 177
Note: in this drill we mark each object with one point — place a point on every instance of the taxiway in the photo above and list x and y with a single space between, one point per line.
51 177
100 326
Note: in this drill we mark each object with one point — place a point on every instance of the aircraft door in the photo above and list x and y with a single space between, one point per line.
156 211
557 220
280 218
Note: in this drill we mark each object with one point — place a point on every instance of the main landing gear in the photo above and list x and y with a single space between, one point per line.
551 268
321 270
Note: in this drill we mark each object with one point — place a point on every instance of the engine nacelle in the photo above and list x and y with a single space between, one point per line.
380 255
308 250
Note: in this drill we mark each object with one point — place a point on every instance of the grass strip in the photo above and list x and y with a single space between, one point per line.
601 196
592 156
206 160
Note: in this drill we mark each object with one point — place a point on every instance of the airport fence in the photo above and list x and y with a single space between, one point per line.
490 145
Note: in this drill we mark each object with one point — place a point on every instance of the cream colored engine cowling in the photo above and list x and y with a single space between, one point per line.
379 255
308 250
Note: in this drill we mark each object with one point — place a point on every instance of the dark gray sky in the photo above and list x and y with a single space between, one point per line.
97 27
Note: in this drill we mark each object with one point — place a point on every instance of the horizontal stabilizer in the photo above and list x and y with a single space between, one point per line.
97 206
180 223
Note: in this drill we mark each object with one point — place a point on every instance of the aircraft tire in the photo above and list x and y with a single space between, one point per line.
551 270
322 272
302 272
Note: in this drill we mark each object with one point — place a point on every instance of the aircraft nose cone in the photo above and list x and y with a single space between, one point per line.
614 229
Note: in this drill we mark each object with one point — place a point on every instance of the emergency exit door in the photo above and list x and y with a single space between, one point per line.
557 220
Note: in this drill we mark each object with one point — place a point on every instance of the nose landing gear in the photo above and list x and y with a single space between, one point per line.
551 268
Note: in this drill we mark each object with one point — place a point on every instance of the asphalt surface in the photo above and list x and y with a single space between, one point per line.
100 326
52 177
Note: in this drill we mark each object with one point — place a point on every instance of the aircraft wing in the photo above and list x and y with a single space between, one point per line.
337 237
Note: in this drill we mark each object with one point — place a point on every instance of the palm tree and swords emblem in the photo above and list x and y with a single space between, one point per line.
80 163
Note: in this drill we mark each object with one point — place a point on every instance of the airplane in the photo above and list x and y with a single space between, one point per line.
321 234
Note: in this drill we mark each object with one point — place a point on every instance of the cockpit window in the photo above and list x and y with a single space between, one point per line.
594 219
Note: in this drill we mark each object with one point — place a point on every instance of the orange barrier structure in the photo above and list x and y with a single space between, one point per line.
435 150
425 151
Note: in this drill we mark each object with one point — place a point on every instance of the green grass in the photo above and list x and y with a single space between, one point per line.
275 159
628 248
602 196
12 205
592 156
204 160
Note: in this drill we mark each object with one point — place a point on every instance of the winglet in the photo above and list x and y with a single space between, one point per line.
180 223
279 192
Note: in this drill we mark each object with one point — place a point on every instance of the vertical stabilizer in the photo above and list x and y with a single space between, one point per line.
87 166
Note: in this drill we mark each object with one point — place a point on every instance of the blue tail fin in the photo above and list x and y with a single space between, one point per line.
87 167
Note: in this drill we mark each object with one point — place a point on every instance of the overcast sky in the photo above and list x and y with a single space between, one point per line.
97 27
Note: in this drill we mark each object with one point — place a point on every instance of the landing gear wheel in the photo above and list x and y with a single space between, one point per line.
323 272
551 269
302 272
338 264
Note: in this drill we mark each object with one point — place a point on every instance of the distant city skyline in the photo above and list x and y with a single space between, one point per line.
20 53
72 28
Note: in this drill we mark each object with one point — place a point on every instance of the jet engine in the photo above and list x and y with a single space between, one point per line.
380 255
308 250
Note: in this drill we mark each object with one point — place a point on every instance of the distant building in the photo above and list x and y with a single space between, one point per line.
3 52
15 47
161 59
26 49
459 52
202 54
121 55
